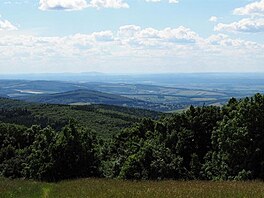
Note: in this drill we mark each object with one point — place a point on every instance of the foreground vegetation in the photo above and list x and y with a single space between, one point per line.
115 188
203 143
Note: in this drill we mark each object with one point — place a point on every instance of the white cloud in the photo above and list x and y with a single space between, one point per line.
156 1
108 4
18 2
254 24
136 36
213 19
104 36
173 1
6 25
225 41
255 8
248 25
129 45
126 37
80 4
62 4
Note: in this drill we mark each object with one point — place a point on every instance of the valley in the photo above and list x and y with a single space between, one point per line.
165 93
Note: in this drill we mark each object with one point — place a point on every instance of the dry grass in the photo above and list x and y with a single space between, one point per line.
115 188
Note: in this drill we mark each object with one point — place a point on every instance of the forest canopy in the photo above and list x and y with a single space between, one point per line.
206 143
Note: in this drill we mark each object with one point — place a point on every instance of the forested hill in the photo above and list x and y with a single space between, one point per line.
84 96
104 120
208 143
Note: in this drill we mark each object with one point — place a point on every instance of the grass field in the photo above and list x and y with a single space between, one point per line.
116 188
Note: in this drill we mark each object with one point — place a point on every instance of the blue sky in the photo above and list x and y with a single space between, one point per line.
131 36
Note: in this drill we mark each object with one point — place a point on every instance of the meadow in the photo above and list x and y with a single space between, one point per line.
118 188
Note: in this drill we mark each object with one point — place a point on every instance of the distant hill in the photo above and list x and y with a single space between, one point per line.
157 97
83 96
105 120
87 97
152 97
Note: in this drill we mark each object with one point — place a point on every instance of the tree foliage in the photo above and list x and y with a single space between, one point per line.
45 154
208 142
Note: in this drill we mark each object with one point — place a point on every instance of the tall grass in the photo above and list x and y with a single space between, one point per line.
100 188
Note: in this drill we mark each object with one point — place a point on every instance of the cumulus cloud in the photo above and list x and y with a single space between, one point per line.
248 25
225 41
69 5
136 36
254 24
213 19
62 4
255 8
80 4
149 46
126 37
6 25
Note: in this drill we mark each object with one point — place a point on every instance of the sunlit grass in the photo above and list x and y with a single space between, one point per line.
117 188
22 188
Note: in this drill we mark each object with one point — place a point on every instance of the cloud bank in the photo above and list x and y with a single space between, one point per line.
70 5
128 49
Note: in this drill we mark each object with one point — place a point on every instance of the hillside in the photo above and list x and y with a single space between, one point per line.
84 96
202 143
169 94
164 98
105 120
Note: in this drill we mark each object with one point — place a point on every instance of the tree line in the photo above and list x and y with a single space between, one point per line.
205 143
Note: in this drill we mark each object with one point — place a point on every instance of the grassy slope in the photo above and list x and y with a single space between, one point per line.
116 188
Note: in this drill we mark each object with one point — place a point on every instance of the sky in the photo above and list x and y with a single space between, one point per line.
131 36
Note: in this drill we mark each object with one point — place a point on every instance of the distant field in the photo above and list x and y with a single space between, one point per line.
203 99
116 188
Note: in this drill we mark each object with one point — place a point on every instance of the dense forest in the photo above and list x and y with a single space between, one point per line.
205 143
104 120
